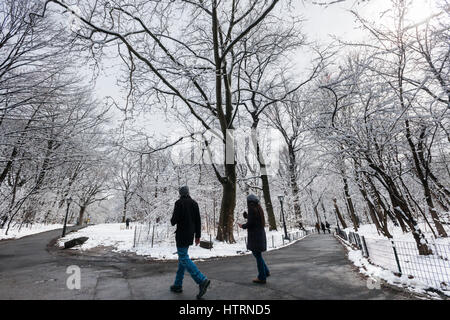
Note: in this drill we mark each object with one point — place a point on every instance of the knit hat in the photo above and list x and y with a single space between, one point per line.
184 191
252 198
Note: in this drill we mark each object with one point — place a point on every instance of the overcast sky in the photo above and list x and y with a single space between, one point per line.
322 23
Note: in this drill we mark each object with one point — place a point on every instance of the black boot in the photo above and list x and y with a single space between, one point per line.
202 288
176 289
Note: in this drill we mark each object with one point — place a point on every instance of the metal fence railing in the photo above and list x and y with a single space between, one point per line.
403 258
150 235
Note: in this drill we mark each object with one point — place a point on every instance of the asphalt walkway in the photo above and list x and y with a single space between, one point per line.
313 268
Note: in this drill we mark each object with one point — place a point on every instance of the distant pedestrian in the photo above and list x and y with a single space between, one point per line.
256 239
328 226
127 223
186 215
300 226
323 227
318 227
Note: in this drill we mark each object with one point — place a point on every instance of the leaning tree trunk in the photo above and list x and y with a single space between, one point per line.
423 177
402 210
437 223
338 212
377 218
387 213
349 201
316 212
371 207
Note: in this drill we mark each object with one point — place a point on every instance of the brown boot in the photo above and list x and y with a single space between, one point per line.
259 281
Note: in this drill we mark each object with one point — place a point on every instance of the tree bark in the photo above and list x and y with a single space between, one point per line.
338 212
81 215
293 182
124 211
268 202
350 204
401 209
264 179
226 217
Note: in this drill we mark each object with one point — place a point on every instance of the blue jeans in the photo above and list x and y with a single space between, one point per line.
185 263
263 271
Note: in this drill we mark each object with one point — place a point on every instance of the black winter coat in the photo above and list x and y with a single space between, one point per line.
186 215
256 241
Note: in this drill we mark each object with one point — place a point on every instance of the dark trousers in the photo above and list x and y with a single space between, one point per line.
263 270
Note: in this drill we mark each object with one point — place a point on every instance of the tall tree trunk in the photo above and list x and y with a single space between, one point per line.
349 201
13 198
81 215
228 204
402 210
268 202
264 177
387 212
375 215
293 181
226 217
371 207
316 212
124 211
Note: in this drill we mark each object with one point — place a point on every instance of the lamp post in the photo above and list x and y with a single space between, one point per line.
69 201
281 198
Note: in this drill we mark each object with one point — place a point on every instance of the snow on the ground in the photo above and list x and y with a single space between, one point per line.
419 273
377 273
370 231
16 233
122 240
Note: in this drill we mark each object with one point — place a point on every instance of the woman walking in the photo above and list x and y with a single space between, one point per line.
256 242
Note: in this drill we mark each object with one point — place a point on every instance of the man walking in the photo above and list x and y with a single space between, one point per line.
186 215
